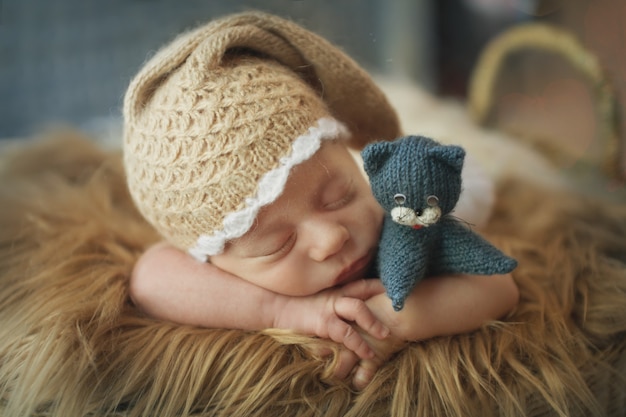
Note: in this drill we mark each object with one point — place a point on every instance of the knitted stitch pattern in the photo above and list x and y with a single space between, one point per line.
215 120
418 182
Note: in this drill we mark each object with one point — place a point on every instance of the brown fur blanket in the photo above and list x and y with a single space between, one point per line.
71 343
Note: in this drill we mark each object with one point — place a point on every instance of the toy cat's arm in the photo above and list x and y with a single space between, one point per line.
463 251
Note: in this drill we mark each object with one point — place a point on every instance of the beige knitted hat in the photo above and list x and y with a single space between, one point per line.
215 121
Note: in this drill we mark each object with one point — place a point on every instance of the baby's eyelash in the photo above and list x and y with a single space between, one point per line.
285 247
349 194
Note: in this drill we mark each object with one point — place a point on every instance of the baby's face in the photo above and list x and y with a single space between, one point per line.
321 232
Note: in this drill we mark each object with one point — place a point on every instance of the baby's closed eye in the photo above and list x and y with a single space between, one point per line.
279 247
338 194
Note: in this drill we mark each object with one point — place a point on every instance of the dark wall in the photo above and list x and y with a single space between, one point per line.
70 61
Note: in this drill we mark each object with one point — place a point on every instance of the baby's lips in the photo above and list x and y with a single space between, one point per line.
356 268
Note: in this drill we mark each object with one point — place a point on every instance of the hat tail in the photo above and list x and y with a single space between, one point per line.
350 93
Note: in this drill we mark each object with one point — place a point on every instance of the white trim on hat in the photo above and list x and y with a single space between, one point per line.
270 187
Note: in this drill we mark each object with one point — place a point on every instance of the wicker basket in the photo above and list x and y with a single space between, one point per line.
550 39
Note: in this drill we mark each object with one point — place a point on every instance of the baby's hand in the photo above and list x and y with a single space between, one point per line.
366 368
363 370
329 314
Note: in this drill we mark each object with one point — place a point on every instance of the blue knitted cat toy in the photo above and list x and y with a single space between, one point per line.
418 182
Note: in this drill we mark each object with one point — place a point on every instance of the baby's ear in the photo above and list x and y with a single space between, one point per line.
375 155
450 155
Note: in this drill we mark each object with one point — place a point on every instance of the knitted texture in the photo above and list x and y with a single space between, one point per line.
418 182
214 122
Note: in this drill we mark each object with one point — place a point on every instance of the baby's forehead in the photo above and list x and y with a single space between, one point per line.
333 149
332 158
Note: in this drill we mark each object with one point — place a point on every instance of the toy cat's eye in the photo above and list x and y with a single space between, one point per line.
432 200
399 198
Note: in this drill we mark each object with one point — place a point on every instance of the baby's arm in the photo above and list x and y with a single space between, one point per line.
438 306
448 305
168 284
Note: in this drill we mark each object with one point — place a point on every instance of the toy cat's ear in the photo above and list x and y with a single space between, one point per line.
375 155
450 155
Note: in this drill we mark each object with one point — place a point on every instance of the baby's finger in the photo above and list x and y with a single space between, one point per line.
321 351
346 361
355 310
341 332
365 373
363 289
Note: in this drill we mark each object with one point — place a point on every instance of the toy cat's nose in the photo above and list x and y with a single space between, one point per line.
430 215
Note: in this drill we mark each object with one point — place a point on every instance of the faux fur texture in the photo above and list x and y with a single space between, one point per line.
71 343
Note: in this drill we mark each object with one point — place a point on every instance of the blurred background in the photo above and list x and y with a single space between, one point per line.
69 61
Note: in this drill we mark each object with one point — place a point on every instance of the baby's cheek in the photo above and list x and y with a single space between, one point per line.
373 220
379 226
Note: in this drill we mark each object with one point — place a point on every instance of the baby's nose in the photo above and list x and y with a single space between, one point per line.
327 239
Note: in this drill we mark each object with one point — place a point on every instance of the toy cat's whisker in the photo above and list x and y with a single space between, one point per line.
460 220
